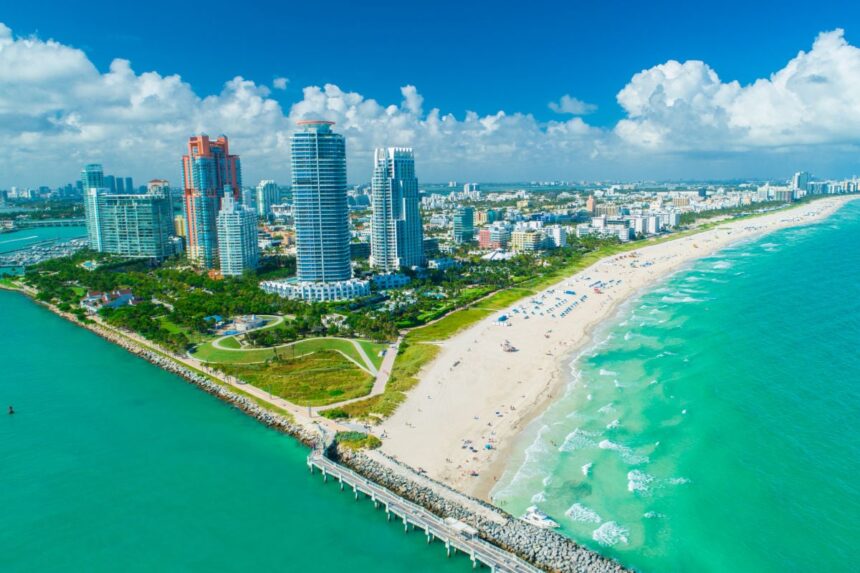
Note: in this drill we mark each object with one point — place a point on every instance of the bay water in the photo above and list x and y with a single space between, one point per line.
111 464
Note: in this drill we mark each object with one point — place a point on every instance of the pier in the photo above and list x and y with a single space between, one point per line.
456 535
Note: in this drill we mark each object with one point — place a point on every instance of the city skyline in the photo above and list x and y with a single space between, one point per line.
677 113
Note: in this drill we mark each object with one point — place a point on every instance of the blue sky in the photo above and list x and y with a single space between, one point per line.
483 57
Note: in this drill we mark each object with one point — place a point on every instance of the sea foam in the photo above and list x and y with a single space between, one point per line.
610 533
578 512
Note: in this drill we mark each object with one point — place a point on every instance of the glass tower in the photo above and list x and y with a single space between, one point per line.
93 182
464 225
267 195
320 203
137 225
208 170
397 236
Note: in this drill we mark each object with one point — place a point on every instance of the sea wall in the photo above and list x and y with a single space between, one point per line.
543 548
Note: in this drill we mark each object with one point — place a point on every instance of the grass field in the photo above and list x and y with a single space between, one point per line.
194 337
404 376
372 349
230 342
236 355
318 379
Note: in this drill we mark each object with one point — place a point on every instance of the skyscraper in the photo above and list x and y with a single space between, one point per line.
126 224
237 237
464 225
208 170
93 183
136 225
396 235
268 194
319 203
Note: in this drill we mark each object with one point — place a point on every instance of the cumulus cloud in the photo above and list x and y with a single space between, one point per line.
571 105
59 111
814 99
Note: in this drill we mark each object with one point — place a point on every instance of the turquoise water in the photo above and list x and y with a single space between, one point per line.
714 427
111 464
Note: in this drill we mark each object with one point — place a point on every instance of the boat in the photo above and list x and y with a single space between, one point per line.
536 517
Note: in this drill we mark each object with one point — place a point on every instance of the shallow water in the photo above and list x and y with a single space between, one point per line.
713 427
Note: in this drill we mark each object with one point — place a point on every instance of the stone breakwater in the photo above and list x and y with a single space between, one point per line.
543 548
246 405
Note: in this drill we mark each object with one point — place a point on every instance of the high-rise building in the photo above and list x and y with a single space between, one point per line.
590 204
93 182
129 185
137 225
208 170
319 203
268 194
800 180
464 225
396 232
238 250
126 224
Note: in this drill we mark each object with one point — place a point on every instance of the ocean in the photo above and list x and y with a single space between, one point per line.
111 464
713 424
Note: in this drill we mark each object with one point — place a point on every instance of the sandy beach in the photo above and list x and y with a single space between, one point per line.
489 381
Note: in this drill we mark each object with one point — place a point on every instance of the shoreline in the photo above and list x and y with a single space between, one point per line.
543 549
488 398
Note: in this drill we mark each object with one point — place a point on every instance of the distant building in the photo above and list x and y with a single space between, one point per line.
238 250
801 180
397 235
268 195
556 235
591 204
208 170
93 182
464 225
526 241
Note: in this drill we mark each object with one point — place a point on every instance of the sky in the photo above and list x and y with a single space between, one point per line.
483 91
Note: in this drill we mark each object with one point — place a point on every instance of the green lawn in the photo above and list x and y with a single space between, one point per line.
404 376
449 325
209 353
504 298
230 342
317 379
193 336
373 349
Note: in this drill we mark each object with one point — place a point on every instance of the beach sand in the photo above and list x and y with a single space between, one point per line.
459 423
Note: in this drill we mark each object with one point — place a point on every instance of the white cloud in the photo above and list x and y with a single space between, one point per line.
280 83
58 111
814 99
571 105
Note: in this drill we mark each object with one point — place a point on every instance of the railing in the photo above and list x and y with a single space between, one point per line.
478 550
